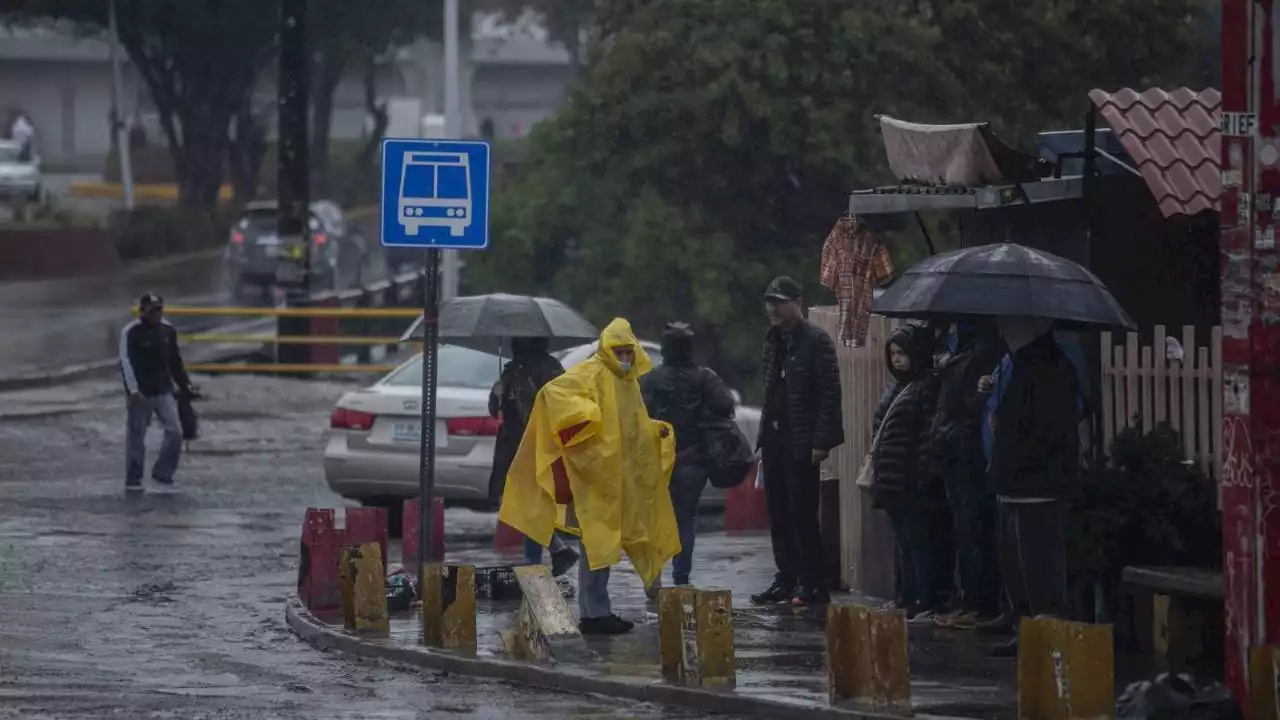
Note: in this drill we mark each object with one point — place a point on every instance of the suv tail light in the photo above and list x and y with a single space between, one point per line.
237 237
320 238
473 426
343 419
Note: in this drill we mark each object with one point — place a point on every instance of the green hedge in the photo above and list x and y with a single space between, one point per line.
155 231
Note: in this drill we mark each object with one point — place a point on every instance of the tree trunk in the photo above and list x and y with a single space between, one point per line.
245 155
328 75
378 111
204 154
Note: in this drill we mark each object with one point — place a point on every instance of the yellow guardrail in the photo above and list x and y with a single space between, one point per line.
287 368
304 312
231 338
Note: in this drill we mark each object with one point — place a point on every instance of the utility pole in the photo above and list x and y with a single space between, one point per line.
452 128
118 128
1250 303
293 174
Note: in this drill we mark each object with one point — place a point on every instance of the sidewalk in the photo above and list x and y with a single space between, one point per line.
780 653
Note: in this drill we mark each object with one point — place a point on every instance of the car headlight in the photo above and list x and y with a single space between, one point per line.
461 212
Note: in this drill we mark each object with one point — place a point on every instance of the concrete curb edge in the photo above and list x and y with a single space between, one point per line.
324 637
57 377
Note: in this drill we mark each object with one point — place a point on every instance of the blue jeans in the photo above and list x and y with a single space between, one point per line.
687 483
593 590
165 408
973 513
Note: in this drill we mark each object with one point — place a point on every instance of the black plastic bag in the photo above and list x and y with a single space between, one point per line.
187 416
402 590
1177 697
726 452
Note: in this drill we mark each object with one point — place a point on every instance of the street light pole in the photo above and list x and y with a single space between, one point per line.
293 177
452 127
117 92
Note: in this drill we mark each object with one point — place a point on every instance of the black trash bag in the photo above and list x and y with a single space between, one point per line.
726 452
402 591
1177 697
187 416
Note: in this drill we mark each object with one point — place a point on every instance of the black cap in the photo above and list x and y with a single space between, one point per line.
678 330
150 300
783 289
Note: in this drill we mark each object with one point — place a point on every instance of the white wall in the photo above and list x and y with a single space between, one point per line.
68 101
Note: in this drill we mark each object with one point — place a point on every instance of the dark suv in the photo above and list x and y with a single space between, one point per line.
254 250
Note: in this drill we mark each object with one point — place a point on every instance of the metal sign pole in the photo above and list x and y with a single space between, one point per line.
427 442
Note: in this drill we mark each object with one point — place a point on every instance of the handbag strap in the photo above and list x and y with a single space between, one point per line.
875 441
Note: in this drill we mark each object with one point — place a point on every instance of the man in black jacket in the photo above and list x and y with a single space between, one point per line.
800 425
152 370
682 393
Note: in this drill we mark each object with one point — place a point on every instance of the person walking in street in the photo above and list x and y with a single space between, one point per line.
800 425
1035 462
152 369
511 401
956 452
681 392
905 484
589 429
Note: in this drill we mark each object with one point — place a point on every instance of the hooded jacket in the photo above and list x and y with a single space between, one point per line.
957 425
804 359
903 477
683 393
618 461
522 378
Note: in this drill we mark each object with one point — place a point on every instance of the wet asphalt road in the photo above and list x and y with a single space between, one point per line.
170 605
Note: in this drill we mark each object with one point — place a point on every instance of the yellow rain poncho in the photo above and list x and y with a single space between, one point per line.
618 462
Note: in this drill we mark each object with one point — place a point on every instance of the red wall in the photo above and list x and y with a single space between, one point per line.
37 254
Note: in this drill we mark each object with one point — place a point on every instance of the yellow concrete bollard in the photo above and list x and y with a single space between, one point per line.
546 631
1066 670
367 602
449 607
695 636
346 584
1264 682
867 661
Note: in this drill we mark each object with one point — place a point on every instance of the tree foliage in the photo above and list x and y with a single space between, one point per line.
712 143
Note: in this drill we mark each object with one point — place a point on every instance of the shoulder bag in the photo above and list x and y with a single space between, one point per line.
867 474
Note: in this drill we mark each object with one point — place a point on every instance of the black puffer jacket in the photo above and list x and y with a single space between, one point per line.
812 376
957 425
904 480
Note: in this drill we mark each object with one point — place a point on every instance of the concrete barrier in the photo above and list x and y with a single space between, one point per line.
449 607
409 536
346 584
365 525
867 664
1264 682
695 637
546 631
318 585
366 603
1066 670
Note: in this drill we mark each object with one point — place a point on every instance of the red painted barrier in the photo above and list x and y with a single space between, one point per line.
368 525
326 327
507 537
744 507
318 586
410 534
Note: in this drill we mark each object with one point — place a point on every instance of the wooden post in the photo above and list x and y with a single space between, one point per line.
867 663
547 631
449 607
1066 670
369 591
695 637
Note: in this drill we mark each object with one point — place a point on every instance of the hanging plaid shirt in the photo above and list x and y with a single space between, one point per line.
853 264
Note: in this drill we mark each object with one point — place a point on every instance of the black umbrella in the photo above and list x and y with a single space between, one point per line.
488 322
1002 280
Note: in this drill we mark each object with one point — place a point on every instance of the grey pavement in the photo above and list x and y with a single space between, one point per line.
169 605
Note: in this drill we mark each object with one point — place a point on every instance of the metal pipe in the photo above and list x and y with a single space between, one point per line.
117 91
427 432
452 125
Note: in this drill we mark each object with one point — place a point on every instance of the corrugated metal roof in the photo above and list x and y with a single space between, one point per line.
1174 140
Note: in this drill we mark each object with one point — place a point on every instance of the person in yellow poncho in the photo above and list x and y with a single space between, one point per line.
591 442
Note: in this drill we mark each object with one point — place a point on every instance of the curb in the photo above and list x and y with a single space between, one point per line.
323 637
57 377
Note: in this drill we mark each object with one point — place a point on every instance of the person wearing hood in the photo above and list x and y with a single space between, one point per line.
511 402
1035 461
682 392
956 454
800 425
591 444
906 486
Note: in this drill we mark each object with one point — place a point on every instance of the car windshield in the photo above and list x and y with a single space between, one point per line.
458 367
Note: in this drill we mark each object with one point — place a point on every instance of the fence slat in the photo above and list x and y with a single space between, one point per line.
1108 378
1160 357
1215 401
1131 379
1176 368
1205 453
1189 390
1148 384
1122 395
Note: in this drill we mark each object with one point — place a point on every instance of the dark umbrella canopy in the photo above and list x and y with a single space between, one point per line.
1002 280
489 322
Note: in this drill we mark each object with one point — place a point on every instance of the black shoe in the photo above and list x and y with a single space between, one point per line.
612 625
162 481
1008 650
680 580
134 486
562 560
810 597
777 594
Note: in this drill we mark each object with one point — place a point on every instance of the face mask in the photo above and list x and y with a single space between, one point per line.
626 367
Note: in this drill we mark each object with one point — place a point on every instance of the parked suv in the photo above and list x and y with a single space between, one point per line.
20 177
254 250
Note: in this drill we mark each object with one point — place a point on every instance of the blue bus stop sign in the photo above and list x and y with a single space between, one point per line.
435 194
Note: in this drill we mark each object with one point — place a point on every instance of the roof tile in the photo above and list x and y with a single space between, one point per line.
1173 138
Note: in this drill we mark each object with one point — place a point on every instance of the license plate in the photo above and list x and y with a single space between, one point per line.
269 240
408 433
288 273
